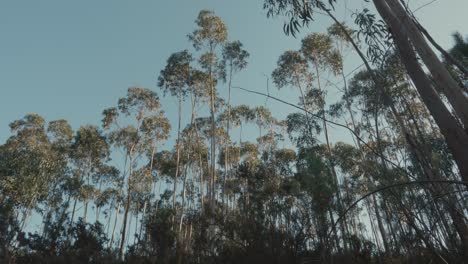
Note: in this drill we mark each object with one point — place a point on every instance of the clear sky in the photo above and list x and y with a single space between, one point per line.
71 59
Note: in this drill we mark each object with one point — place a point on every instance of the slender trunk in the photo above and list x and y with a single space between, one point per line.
174 194
332 168
383 233
227 145
142 220
127 234
184 189
109 218
213 137
337 239
111 241
136 234
127 206
98 208
73 211
85 213
371 220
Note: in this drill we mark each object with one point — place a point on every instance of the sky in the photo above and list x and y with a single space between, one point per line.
70 60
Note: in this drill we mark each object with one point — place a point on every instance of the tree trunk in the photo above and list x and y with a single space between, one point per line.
127 207
115 224
438 71
455 136
174 194
383 233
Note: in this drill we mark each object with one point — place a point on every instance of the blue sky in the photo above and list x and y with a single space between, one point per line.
72 59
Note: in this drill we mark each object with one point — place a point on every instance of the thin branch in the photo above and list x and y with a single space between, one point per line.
422 6
330 122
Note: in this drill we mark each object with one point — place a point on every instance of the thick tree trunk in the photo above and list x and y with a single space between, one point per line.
438 71
455 136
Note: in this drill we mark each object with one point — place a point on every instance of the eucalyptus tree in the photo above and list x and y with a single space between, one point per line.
195 162
317 181
174 79
292 70
339 33
241 115
410 43
410 144
131 125
211 33
199 90
319 51
90 152
156 128
234 60
34 165
265 119
60 136
393 12
409 39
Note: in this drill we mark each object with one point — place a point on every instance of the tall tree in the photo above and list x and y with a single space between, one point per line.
90 152
174 79
234 60
210 33
141 106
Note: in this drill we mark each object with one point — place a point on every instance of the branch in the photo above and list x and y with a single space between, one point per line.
333 123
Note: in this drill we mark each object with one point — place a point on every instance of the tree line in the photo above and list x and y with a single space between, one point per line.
285 191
